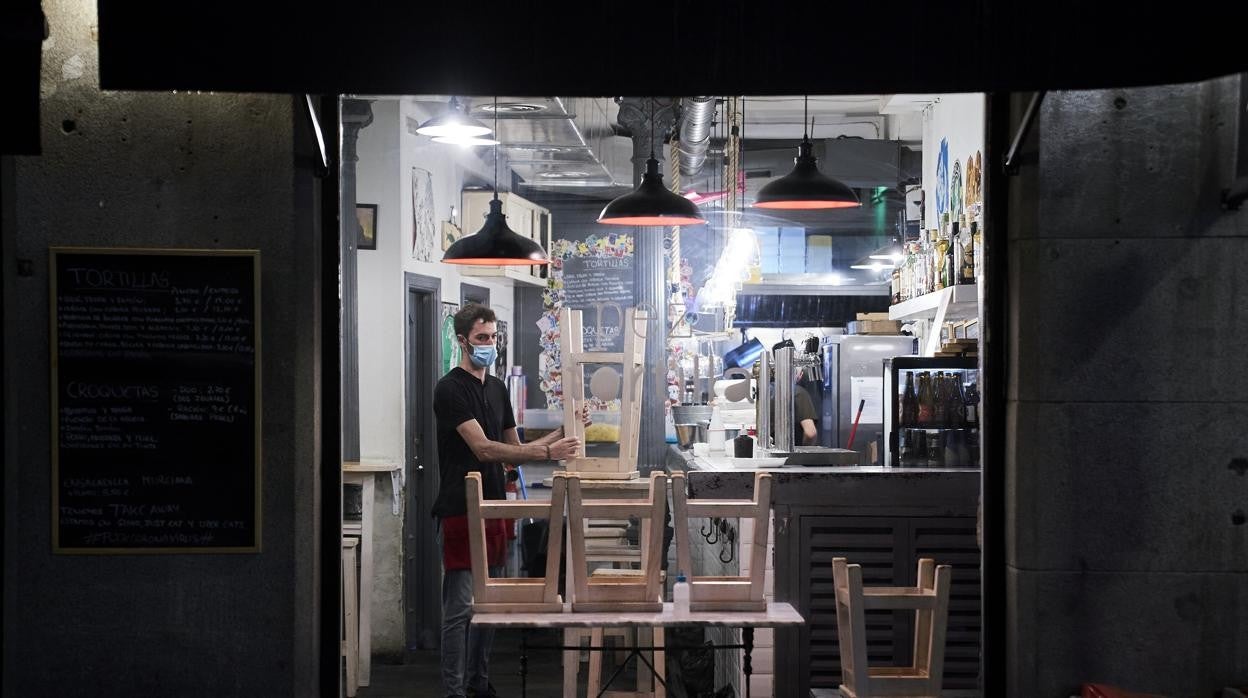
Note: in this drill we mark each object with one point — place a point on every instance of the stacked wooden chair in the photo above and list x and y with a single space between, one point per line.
515 594
631 361
727 593
930 600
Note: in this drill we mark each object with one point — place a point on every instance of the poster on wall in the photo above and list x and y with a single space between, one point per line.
450 347
942 180
423 230
155 400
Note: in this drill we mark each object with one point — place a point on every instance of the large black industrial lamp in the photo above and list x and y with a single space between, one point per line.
806 187
651 203
496 244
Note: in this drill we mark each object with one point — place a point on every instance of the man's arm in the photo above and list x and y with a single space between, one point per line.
808 432
488 451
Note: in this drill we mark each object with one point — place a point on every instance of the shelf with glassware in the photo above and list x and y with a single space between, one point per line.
933 412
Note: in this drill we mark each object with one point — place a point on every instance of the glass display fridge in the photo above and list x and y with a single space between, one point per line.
932 418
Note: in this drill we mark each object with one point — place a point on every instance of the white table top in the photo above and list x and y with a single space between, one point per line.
777 615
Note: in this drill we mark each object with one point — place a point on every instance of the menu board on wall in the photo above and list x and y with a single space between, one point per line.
156 400
602 288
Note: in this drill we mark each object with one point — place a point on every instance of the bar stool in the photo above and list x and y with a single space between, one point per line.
351 613
930 600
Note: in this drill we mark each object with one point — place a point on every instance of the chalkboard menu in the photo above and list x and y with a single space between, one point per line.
601 287
156 402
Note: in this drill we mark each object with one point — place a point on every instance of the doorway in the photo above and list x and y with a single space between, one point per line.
421 564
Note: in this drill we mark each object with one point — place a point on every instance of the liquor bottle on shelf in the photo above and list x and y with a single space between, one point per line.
955 413
952 255
940 403
967 270
895 285
924 416
977 239
939 254
909 403
972 405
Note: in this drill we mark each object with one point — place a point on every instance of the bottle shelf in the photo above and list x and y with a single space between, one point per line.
960 302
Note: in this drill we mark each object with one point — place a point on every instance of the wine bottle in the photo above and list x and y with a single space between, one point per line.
909 402
924 415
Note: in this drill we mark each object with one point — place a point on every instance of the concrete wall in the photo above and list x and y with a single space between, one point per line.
165 171
388 152
959 120
1127 546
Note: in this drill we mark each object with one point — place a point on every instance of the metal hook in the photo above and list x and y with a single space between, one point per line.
732 549
714 531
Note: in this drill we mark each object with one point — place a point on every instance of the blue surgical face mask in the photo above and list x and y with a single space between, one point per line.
483 355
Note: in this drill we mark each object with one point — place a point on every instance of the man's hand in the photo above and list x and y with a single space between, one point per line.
565 448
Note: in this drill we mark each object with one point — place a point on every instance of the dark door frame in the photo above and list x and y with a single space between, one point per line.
422 299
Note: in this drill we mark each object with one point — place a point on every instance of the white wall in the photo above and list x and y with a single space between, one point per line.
959 119
387 154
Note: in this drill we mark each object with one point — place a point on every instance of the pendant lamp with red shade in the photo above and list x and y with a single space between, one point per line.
651 203
495 244
806 188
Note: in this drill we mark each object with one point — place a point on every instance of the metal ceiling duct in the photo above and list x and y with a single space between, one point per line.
695 133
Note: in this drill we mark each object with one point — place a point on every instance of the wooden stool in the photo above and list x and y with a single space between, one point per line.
929 599
726 593
351 613
514 594
632 366
608 593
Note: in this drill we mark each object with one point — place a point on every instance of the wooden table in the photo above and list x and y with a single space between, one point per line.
778 614
355 473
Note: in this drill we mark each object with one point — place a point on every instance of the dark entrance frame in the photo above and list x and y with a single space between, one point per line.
422 298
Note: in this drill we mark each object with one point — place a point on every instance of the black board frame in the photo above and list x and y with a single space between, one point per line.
54 256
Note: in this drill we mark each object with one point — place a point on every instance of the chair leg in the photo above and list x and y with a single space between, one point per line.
594 683
571 661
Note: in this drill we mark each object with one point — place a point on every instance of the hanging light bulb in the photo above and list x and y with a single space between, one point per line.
496 244
651 203
454 123
806 187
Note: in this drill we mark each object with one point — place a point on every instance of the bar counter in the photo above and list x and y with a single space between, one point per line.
883 518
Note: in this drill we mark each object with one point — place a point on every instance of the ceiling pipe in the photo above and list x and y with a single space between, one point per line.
695 133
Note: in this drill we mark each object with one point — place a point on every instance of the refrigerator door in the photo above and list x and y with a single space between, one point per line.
859 381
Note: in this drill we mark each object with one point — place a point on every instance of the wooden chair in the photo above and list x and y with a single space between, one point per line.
632 365
727 593
351 613
515 594
929 598
607 592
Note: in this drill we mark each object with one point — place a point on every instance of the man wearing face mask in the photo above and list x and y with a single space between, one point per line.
476 432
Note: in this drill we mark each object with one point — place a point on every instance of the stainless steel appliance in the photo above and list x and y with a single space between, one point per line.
854 374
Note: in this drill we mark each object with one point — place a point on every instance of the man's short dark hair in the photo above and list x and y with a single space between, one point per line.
468 315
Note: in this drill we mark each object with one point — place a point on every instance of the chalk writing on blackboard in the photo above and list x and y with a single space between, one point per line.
156 401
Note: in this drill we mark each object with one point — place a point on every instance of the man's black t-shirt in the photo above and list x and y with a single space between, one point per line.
459 397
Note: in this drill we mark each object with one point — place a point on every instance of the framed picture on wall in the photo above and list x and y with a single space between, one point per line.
366 231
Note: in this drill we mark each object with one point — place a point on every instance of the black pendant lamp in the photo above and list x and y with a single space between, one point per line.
495 244
806 187
651 203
